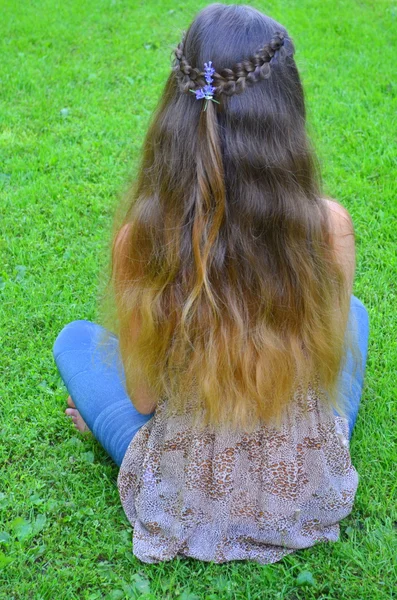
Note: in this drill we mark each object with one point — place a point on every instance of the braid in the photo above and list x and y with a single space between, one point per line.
189 77
229 81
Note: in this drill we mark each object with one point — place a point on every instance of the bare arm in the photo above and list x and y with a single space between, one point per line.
342 235
140 394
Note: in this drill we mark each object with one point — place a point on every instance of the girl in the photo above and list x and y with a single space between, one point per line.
229 390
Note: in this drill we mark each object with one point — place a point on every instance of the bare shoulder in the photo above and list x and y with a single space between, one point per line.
340 218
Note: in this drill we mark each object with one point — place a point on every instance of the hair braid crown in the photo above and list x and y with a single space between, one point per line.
228 81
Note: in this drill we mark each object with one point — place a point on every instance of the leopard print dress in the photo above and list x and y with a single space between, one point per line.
221 495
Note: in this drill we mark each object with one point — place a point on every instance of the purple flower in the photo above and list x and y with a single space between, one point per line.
207 91
204 92
199 94
209 70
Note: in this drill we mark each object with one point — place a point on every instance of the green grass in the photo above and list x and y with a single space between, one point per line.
78 82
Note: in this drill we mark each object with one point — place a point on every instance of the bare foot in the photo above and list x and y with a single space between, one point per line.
76 417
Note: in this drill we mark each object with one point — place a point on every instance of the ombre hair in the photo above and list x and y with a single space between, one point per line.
226 286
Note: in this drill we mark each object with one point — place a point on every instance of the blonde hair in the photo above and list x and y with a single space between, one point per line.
228 296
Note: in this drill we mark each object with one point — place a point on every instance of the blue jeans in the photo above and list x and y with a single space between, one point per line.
89 363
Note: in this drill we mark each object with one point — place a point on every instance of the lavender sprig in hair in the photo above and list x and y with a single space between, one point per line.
207 91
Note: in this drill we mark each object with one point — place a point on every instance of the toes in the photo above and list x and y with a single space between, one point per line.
71 412
74 414
70 402
73 417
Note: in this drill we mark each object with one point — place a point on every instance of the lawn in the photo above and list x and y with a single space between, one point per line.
78 83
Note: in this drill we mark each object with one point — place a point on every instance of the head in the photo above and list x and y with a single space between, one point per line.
227 266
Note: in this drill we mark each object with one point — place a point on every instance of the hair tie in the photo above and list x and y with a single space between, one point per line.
207 91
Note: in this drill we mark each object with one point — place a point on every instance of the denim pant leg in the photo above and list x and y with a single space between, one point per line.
351 380
90 366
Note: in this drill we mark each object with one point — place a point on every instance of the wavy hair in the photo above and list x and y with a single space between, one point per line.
227 290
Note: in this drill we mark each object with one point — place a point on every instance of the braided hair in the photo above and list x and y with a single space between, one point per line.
228 81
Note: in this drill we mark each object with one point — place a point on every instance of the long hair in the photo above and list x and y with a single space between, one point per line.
226 286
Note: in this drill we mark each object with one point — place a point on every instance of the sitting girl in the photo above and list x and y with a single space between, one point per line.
228 390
